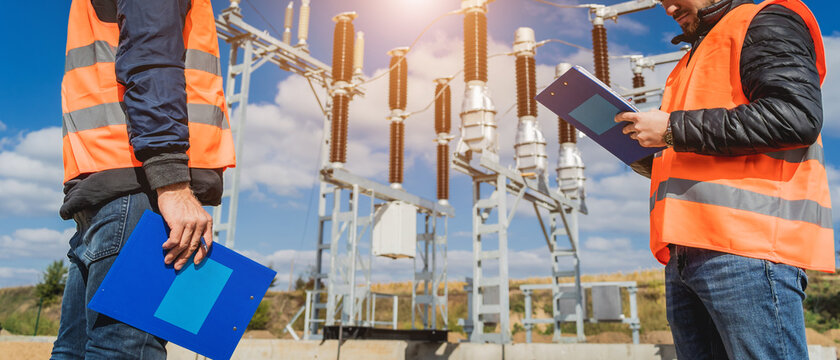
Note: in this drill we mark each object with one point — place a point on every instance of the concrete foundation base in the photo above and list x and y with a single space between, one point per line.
252 349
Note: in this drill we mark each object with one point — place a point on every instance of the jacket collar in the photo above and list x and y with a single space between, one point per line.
709 16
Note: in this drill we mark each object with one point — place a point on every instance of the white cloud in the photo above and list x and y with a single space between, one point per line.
40 243
18 276
603 255
31 173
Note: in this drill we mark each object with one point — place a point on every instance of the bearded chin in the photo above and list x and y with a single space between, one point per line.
690 29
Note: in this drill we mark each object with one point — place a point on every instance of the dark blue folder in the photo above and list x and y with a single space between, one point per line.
591 106
203 308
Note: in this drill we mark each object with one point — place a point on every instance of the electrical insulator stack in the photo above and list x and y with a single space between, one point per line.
397 96
342 72
287 23
359 56
570 178
303 25
530 154
478 123
599 49
443 124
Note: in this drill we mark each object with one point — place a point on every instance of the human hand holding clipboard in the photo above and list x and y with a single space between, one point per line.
648 128
190 225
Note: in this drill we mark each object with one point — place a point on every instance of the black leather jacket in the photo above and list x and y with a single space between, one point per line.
780 79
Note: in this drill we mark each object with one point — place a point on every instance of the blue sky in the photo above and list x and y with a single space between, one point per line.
284 129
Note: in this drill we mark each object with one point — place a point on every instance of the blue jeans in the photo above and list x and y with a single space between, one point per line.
83 333
724 306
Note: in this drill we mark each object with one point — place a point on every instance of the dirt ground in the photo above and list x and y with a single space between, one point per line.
41 350
24 350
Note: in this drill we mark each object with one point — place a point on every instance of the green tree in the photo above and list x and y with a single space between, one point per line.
261 317
52 282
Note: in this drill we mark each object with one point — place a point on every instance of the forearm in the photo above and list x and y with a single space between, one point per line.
150 64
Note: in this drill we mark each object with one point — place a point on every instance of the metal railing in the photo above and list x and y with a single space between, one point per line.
606 305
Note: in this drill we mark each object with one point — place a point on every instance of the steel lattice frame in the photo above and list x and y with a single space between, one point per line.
564 224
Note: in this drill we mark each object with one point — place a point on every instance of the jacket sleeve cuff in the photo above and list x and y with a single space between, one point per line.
167 169
677 123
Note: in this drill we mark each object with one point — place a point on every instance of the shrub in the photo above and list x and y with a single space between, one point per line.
261 317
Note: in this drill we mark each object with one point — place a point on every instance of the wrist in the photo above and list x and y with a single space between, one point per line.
668 136
177 187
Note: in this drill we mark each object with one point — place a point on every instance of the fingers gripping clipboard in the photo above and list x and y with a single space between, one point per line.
587 103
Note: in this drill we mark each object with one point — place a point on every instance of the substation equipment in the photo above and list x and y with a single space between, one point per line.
492 214
355 214
641 93
359 218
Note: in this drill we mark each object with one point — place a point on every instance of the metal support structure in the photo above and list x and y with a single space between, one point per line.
530 322
258 48
490 291
639 62
351 227
431 275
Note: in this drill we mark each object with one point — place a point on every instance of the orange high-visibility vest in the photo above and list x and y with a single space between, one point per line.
95 134
774 206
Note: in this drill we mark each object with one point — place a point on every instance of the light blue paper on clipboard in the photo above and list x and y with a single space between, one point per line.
204 308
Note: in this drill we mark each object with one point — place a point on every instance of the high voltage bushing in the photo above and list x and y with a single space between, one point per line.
639 82
566 132
397 96
443 124
526 88
530 144
443 106
395 168
570 177
443 173
359 55
342 64
478 122
342 72
303 24
398 78
599 49
287 23
475 46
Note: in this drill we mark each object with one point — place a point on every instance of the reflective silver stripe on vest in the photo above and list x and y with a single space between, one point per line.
207 114
813 152
200 60
113 114
727 196
93 117
98 51
102 52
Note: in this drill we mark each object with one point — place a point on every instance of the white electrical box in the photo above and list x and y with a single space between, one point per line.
395 230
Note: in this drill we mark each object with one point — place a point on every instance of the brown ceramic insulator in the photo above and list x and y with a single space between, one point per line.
338 142
639 82
343 38
398 77
443 108
526 86
475 46
602 58
395 168
566 133
443 171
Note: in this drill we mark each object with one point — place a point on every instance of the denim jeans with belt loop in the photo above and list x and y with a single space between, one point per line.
725 306
83 333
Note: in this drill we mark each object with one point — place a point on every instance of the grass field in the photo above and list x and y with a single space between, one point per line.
19 306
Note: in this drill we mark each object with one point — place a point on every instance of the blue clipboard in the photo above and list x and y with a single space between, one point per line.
590 105
204 308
